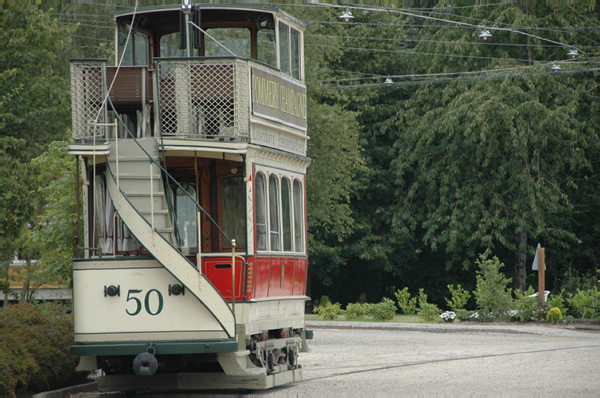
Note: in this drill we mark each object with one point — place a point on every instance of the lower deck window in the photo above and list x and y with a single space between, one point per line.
186 216
233 209
274 212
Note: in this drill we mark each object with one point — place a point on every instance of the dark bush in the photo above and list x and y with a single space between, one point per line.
34 349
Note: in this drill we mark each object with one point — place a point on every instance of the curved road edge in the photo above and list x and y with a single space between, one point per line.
514 328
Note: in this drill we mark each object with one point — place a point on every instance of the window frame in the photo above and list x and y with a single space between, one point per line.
277 212
149 46
297 222
299 230
290 216
289 54
265 202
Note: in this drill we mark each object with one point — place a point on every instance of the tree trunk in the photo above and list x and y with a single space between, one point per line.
521 257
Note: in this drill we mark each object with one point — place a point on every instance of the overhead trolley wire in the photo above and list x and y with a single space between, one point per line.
376 50
408 40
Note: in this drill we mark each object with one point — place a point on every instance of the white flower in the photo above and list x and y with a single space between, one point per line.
448 316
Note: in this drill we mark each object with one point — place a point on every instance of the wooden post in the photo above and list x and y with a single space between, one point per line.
541 280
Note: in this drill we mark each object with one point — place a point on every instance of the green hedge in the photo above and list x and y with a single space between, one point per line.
34 349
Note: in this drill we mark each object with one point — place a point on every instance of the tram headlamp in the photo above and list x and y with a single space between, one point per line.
112 291
176 290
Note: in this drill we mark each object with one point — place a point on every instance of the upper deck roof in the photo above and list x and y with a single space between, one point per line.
161 16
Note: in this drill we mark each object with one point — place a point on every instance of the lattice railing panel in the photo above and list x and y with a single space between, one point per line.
87 90
204 99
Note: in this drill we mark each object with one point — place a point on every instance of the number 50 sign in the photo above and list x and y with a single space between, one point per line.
151 306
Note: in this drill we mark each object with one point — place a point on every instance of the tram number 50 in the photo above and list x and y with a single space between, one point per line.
155 310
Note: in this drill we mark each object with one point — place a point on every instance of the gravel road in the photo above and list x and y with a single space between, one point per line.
358 359
383 359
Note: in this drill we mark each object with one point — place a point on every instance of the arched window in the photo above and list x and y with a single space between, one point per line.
298 217
286 214
274 212
261 211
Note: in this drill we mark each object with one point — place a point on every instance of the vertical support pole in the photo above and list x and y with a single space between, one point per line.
93 245
541 280
117 151
78 187
187 35
198 215
143 121
233 276
152 198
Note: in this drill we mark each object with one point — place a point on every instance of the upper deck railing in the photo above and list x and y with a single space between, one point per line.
212 99
204 98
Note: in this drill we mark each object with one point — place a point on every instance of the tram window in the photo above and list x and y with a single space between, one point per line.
266 49
186 217
141 49
274 212
298 217
100 212
284 55
286 214
233 211
237 40
261 212
295 50
136 52
169 46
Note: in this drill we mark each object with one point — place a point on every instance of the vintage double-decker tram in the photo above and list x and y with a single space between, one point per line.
192 153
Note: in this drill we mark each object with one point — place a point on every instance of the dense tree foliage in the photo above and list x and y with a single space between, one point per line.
34 111
411 180
464 162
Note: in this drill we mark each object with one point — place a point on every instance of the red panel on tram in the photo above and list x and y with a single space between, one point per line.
300 277
262 270
218 272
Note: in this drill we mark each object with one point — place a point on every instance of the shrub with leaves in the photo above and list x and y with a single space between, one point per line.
324 300
407 305
355 311
383 311
492 295
526 305
459 298
554 315
427 311
328 310
581 298
34 349
464 315
558 300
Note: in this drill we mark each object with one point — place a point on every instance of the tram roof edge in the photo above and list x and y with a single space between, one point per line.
174 7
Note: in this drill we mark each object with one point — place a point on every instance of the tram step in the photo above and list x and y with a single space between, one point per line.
160 220
143 202
134 165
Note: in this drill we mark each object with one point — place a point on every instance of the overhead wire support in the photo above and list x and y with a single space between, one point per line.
448 21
